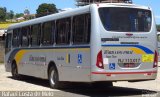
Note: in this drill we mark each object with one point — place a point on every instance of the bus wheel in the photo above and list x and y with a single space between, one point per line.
53 78
15 74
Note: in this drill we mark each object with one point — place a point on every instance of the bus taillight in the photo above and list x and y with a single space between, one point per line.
155 64
99 63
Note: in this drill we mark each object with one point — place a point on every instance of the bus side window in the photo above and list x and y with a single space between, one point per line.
19 38
25 31
63 31
8 43
35 35
81 29
88 27
15 40
47 33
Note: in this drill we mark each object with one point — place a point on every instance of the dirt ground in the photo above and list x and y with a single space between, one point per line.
9 84
119 89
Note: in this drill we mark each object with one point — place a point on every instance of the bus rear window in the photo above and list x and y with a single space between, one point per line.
125 19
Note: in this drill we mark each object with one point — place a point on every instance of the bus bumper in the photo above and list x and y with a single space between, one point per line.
123 76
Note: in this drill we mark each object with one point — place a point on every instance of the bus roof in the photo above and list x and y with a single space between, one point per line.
72 12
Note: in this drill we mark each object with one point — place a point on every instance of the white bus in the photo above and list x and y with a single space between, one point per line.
158 37
104 42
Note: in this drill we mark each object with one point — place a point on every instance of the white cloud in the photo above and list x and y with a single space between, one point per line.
157 17
67 9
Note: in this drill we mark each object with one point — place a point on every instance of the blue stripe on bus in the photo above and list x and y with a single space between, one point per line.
148 51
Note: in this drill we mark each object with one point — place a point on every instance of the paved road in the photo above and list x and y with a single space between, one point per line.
142 89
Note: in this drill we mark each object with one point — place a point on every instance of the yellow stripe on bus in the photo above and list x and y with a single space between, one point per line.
137 51
67 58
21 53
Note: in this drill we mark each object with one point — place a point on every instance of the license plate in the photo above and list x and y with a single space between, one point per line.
129 65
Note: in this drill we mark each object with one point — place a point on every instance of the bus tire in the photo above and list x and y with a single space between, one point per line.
53 78
14 71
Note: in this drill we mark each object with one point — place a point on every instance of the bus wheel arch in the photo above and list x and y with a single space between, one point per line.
51 64
14 69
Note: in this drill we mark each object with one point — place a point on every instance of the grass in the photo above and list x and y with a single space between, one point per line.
1 63
4 25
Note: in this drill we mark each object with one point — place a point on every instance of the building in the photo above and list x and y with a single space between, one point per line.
86 2
26 16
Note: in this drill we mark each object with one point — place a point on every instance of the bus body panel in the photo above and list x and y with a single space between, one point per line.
158 38
125 57
34 62
8 52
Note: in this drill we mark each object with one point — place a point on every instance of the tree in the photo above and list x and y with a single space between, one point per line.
11 14
19 15
26 12
2 14
158 27
46 9
5 9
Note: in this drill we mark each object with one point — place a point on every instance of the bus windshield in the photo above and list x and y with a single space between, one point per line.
125 19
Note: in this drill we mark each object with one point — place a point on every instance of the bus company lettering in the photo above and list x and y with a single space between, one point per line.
60 58
117 52
37 58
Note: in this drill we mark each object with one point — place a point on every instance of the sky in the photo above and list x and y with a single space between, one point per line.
18 6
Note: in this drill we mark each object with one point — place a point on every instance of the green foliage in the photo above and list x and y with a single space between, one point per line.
1 62
46 9
5 25
26 11
19 15
158 27
11 15
2 14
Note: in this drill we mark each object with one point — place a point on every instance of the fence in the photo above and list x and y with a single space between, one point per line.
2 51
